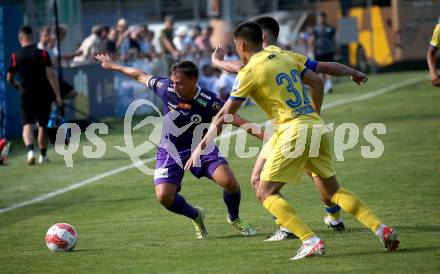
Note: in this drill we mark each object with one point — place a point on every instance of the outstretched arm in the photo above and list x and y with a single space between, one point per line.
251 128
432 64
136 74
338 69
317 92
217 59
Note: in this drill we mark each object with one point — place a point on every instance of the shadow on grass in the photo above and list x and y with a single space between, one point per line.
40 209
86 250
45 208
400 229
238 236
382 252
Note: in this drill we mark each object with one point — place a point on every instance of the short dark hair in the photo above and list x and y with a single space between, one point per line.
25 30
251 32
269 25
188 68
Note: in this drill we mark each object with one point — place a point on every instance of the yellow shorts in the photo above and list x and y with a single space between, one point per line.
289 151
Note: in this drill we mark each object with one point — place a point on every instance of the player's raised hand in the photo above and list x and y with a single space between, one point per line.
218 54
106 61
359 78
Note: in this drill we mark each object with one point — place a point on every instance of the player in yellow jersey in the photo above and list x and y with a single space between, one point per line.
430 56
274 81
271 30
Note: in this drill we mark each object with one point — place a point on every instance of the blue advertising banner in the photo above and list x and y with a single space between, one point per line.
11 19
103 94
94 85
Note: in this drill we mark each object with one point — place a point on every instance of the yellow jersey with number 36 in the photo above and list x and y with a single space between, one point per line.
435 41
273 80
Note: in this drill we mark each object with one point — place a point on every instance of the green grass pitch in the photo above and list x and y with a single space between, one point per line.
123 229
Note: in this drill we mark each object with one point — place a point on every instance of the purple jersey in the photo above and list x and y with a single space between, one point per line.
179 113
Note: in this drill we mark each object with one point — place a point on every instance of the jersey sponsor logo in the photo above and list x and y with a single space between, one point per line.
171 105
236 84
184 113
215 106
184 106
161 173
202 102
206 96
196 119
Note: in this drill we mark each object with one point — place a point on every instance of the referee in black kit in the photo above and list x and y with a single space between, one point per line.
38 85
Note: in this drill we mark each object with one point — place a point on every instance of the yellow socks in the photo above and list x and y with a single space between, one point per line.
350 203
286 215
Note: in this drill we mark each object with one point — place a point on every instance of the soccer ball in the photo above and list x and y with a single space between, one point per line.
61 237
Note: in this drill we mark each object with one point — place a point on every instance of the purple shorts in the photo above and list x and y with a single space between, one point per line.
167 170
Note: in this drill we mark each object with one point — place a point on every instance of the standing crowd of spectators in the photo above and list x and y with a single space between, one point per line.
135 45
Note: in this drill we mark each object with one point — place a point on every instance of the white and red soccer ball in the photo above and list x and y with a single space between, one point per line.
61 237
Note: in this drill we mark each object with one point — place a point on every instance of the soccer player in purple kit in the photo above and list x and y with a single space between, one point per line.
185 106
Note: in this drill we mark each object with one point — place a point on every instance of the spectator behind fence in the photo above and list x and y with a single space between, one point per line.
37 84
147 48
121 28
193 32
203 42
47 42
110 43
105 30
90 46
207 79
166 42
131 47
66 57
324 46
223 85
179 38
44 38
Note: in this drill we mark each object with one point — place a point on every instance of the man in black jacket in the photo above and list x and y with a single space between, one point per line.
37 84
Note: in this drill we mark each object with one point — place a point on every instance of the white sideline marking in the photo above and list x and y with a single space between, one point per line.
374 93
124 168
75 185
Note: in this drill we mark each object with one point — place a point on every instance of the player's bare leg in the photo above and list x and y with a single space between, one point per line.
166 194
349 202
28 139
225 178
283 233
258 167
42 143
269 195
